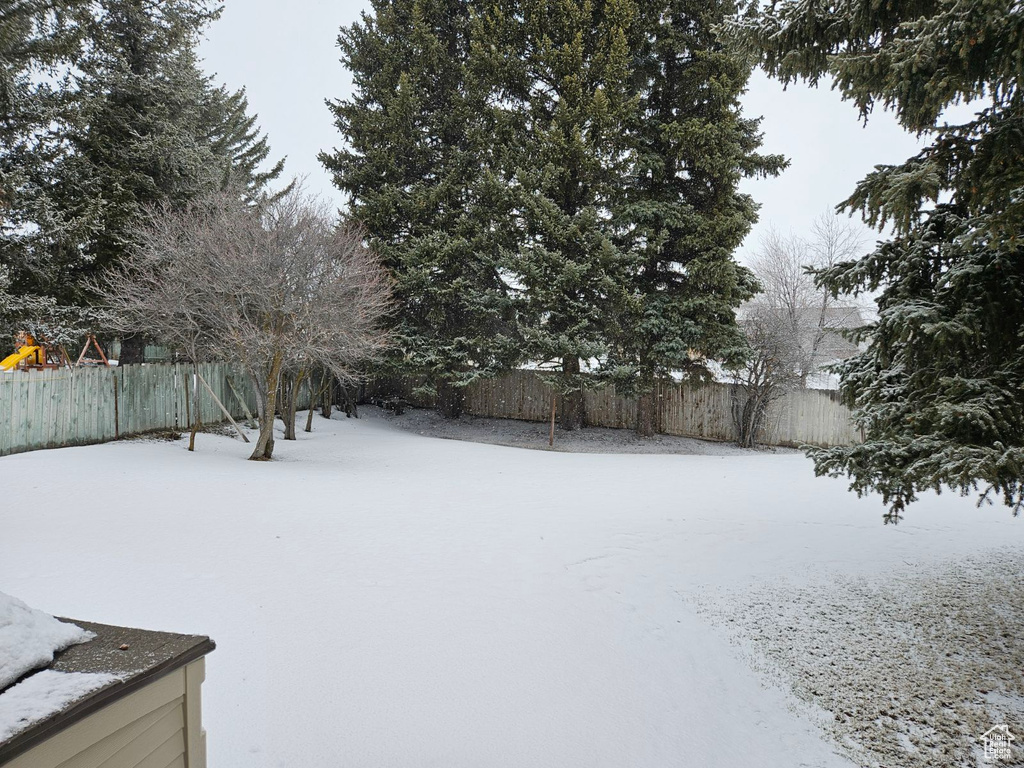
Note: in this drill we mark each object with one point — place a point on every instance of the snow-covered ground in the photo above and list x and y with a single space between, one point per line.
536 435
381 598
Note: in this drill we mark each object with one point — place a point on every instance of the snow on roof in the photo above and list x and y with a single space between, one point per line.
82 677
29 638
40 695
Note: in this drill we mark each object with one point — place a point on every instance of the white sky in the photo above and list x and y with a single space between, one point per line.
289 63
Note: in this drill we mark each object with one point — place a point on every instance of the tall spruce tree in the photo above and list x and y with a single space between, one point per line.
418 169
939 389
680 212
139 125
563 74
35 37
39 39
141 142
240 148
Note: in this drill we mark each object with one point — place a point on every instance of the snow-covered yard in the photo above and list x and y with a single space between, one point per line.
381 598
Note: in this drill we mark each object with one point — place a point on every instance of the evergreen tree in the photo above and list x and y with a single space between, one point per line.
141 141
38 42
136 125
35 37
235 140
418 170
562 75
680 212
938 391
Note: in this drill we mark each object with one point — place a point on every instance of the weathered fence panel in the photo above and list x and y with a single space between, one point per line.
697 410
812 416
807 416
519 395
78 406
605 408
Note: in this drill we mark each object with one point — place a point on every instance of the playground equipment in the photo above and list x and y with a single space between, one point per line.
101 360
33 354
28 354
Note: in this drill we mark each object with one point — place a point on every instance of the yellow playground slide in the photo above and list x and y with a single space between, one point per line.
10 362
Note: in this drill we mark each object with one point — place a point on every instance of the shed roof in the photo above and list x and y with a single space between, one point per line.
134 657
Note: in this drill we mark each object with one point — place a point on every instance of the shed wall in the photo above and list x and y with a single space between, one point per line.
157 726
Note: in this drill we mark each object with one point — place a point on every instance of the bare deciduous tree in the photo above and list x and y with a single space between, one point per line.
793 327
275 289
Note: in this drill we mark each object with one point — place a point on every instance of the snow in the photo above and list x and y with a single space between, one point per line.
535 435
908 666
29 638
379 597
40 695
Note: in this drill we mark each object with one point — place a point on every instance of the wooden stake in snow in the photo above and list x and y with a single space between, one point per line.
222 408
241 401
198 420
551 437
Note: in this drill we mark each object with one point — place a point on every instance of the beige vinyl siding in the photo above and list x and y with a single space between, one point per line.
158 726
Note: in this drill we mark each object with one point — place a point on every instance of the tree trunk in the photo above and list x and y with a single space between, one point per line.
351 395
337 392
290 386
571 408
327 394
741 403
750 404
196 421
286 392
133 349
450 400
267 399
312 403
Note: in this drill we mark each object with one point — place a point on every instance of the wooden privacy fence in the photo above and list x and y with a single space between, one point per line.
78 406
805 416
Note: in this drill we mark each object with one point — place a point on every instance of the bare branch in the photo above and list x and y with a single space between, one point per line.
275 288
793 327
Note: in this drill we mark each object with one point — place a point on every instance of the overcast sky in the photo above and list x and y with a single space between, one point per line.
286 57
